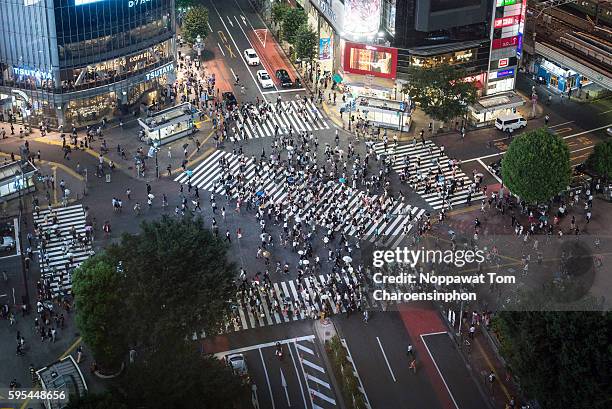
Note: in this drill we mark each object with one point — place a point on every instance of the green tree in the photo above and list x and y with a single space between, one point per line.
200 381
293 20
178 278
279 11
97 290
536 166
601 159
563 359
306 43
195 24
440 91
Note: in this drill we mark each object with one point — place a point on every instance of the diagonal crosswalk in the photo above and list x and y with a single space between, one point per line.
387 229
431 158
287 115
63 229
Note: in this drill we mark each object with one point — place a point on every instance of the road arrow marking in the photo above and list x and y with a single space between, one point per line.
284 385
230 21
244 21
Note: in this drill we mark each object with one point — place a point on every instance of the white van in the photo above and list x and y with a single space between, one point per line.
510 122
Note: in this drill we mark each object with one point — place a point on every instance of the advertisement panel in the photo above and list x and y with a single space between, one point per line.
362 17
506 21
373 60
325 50
505 42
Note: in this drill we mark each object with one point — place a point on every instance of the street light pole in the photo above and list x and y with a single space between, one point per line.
156 146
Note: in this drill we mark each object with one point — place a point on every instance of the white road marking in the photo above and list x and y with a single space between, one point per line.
296 371
221 48
264 345
267 378
285 90
365 395
561 124
303 348
312 365
386 360
230 21
322 396
233 73
17 236
489 170
252 46
436 365
209 27
317 380
236 45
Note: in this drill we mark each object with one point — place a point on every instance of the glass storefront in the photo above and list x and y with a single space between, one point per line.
457 57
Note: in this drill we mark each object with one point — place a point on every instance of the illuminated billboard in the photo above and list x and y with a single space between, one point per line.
362 17
372 60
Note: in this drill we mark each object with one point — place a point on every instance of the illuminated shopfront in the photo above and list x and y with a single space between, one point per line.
457 57
326 17
87 56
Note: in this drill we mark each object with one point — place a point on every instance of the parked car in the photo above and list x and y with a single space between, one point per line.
283 78
230 99
239 366
510 122
264 79
8 243
250 56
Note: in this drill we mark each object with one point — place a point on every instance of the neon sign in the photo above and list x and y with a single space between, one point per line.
506 21
38 74
159 72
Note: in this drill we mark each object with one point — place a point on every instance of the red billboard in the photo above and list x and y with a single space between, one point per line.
370 59
506 21
505 42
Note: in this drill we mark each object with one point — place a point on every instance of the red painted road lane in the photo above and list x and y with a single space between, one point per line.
271 55
419 320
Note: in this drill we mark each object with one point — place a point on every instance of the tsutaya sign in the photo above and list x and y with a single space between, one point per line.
38 74
159 72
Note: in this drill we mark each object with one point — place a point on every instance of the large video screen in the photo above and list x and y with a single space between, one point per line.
444 5
365 59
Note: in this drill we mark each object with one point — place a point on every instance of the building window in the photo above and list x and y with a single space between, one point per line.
389 16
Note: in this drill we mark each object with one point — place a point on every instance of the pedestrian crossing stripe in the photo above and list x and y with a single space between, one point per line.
386 230
286 116
55 269
248 317
431 155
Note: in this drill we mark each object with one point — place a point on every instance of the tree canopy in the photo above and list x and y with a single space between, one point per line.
292 21
279 11
97 292
563 359
97 401
536 166
195 24
306 43
441 91
184 4
150 293
601 159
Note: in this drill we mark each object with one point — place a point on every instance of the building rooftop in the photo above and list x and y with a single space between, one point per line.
63 375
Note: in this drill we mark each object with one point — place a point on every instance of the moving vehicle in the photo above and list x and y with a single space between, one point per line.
239 366
7 244
250 56
230 99
510 122
264 79
283 78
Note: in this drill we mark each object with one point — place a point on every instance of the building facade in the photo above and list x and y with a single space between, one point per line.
75 62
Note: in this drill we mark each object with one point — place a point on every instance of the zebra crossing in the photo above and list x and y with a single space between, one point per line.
430 156
61 254
389 230
287 115
304 301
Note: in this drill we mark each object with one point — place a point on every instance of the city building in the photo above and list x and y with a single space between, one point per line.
75 62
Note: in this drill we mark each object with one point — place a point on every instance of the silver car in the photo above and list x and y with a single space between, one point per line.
8 243
239 366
